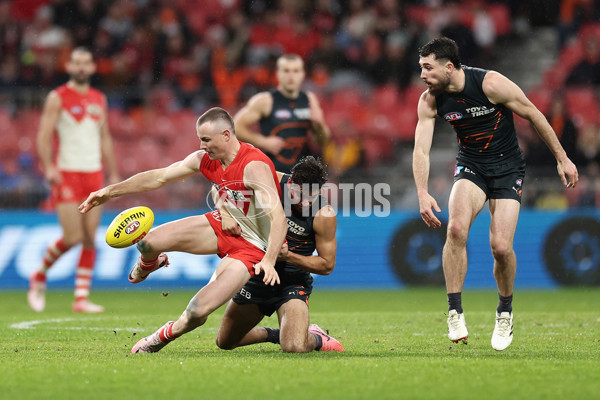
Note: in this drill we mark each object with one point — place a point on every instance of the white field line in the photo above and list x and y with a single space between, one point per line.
60 321
33 324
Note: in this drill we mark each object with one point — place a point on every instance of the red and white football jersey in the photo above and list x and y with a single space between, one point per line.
240 201
78 129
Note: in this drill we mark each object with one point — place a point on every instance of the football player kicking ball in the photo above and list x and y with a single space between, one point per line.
247 182
311 225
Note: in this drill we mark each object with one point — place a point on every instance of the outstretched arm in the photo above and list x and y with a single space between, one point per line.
258 177
501 90
426 110
145 181
324 225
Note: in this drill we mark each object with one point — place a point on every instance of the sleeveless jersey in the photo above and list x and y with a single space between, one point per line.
485 131
78 128
239 200
290 120
300 235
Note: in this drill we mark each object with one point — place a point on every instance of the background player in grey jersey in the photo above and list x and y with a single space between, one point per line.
286 116
311 225
490 166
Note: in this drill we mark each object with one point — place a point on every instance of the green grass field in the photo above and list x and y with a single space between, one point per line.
396 348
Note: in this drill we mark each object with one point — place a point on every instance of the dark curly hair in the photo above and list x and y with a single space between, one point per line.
442 48
309 170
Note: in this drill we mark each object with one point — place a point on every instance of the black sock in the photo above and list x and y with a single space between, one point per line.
504 304
319 342
455 302
272 335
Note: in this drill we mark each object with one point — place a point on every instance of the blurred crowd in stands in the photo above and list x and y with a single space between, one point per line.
162 62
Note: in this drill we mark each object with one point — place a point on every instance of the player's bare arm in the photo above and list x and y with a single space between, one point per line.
108 153
501 90
259 106
319 128
324 226
145 181
48 121
426 111
257 176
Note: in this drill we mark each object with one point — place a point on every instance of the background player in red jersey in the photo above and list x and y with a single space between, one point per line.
246 182
479 105
286 116
78 114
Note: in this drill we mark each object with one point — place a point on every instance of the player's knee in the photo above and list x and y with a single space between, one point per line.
224 344
144 246
501 250
457 233
294 346
194 317
72 240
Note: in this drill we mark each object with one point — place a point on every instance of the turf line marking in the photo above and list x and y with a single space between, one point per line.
32 324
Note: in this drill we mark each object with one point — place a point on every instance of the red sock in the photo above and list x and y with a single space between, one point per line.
85 270
148 265
166 333
53 252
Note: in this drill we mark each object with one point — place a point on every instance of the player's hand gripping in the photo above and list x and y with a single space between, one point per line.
283 252
271 277
426 204
94 199
230 225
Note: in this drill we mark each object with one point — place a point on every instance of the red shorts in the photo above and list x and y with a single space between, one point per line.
75 187
234 246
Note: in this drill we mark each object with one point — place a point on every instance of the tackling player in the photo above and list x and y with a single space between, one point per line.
311 225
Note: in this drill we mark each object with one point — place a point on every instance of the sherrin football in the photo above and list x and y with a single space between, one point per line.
129 227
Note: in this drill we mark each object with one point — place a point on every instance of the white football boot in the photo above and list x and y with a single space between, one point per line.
503 331
36 295
86 306
457 328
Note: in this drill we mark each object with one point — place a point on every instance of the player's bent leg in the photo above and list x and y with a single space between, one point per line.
232 276
294 336
180 235
192 235
238 326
